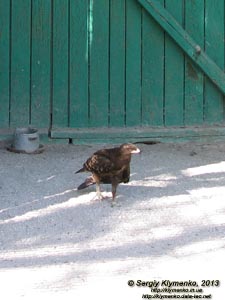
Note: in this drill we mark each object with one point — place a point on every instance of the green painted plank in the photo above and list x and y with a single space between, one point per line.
4 62
133 63
40 65
117 63
194 25
119 135
214 47
174 71
185 41
152 71
99 62
60 93
78 80
20 63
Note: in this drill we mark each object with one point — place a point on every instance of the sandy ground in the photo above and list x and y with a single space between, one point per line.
168 224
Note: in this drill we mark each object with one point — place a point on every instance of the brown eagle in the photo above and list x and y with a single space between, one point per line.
109 166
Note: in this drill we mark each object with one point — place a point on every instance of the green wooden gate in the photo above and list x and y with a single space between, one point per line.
113 69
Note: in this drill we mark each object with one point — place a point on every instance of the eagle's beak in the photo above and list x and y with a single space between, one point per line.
136 151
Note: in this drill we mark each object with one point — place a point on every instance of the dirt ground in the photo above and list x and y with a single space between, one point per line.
168 225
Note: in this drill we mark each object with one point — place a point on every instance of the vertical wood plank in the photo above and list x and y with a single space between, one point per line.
20 63
40 75
117 63
4 62
99 62
194 25
152 72
174 71
78 79
60 97
214 47
133 62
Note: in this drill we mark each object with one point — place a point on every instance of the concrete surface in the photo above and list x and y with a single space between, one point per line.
168 224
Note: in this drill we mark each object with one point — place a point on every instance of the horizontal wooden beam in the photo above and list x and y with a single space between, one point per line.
121 135
185 41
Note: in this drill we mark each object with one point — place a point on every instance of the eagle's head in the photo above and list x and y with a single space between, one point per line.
129 148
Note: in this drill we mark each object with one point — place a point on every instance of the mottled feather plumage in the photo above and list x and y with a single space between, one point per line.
108 166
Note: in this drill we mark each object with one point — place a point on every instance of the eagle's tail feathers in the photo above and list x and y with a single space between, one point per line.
81 170
88 182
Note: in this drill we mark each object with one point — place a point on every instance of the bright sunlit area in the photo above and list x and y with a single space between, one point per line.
168 223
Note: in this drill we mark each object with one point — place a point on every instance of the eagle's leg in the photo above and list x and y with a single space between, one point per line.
98 191
114 187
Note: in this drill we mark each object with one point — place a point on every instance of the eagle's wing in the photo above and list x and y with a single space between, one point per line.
100 164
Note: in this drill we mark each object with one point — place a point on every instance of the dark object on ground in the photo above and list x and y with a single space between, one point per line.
109 166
